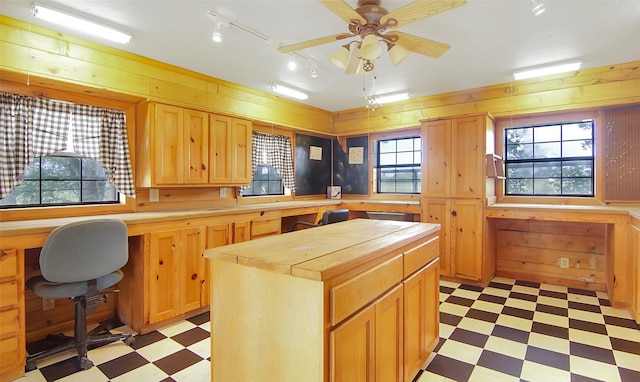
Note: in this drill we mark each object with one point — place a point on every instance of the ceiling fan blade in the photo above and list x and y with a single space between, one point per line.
343 10
420 45
314 42
419 10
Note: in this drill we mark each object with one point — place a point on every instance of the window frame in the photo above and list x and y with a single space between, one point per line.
376 168
526 120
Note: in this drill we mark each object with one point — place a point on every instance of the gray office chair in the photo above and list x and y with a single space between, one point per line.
328 217
79 260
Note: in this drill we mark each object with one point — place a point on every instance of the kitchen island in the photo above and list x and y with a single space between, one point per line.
350 301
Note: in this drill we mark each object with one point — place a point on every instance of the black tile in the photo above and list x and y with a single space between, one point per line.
582 378
582 292
473 288
587 326
517 312
191 336
584 307
500 362
482 315
604 302
564 312
529 284
446 290
548 358
622 322
550 330
552 294
468 337
200 319
628 375
491 298
415 379
450 368
500 286
60 369
175 362
460 301
143 340
592 352
625 345
523 296
512 334
441 342
449 319
123 364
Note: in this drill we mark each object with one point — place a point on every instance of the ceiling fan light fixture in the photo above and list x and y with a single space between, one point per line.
547 70
285 91
370 48
80 24
397 54
340 57
217 35
537 7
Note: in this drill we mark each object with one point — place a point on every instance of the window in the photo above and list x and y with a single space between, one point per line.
272 164
62 180
398 168
550 160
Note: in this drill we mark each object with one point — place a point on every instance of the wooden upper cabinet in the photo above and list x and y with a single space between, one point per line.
454 157
230 150
196 146
167 145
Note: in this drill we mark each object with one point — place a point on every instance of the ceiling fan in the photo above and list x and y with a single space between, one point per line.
370 22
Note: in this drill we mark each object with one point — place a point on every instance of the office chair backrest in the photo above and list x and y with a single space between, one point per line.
84 250
334 216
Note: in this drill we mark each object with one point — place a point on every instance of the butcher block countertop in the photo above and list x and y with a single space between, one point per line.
321 252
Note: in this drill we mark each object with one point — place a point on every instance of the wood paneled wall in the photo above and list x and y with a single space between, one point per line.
39 55
532 250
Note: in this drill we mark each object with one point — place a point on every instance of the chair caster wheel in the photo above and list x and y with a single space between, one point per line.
129 341
85 364
31 365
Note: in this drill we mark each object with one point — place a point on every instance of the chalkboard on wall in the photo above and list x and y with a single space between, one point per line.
351 165
313 165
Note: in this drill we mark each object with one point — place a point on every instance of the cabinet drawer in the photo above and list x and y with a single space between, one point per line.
8 353
9 323
351 295
265 227
8 263
8 294
421 255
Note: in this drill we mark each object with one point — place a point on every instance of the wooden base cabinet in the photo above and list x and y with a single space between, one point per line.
351 301
634 274
178 272
12 339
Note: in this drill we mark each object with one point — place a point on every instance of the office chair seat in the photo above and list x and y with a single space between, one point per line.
328 217
78 261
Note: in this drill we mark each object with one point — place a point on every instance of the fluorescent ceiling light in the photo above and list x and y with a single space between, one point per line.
547 70
80 24
289 92
391 98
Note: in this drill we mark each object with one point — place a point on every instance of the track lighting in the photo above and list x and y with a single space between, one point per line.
292 65
217 35
537 7
314 71
80 24
547 70
289 92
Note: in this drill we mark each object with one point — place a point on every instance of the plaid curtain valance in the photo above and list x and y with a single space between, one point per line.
32 127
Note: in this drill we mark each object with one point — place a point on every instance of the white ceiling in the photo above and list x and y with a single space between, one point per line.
489 40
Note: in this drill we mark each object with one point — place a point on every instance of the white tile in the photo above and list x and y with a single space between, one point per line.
525 290
106 353
586 316
521 304
202 348
589 338
427 376
554 288
199 372
477 326
487 306
148 372
33 376
627 360
160 349
449 284
482 374
446 330
94 375
551 319
535 372
624 333
515 322
503 280
469 294
507 347
583 299
177 328
455 309
555 344
614 312
460 351
560 303
496 292
594 369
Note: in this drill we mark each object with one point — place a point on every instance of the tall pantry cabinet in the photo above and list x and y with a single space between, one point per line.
454 192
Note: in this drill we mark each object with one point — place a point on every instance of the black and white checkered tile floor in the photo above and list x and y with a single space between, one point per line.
509 331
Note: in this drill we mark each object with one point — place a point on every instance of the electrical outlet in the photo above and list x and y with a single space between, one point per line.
223 192
48 303
564 262
154 195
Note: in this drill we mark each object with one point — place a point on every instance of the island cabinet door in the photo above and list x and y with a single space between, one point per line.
368 346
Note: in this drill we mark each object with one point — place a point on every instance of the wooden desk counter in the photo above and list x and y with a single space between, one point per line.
309 305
